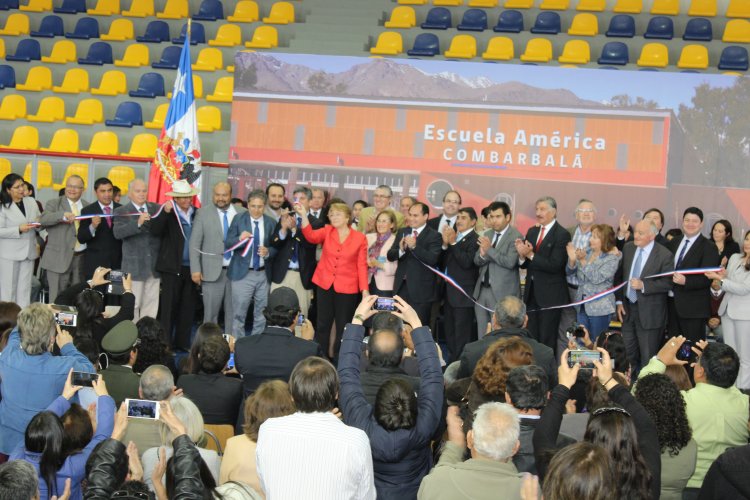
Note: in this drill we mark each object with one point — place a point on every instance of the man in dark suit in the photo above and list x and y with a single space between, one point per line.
544 257
273 354
102 248
459 248
451 204
414 283
689 304
642 305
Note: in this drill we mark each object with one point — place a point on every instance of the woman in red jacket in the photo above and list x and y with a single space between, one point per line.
341 274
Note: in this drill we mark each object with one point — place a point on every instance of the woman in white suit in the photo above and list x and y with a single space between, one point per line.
381 272
734 281
18 247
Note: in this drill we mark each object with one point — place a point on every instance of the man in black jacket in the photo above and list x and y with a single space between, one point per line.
385 351
102 248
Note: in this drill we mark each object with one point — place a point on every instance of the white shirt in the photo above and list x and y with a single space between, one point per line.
689 241
314 456
644 258
547 228
262 238
411 233
231 212
445 221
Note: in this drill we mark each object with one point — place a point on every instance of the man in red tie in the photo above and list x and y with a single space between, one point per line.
102 248
543 255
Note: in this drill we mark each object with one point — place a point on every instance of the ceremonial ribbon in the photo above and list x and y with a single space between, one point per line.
248 242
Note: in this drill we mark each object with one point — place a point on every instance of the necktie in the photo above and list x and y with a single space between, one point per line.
76 212
295 245
142 209
256 246
108 211
682 253
539 241
225 224
632 295
486 281
496 239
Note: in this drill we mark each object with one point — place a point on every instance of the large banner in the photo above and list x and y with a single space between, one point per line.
626 140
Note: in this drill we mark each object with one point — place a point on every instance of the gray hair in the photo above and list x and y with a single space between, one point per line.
135 181
584 200
257 194
18 481
388 188
303 189
496 429
548 200
510 312
36 324
157 383
651 226
189 415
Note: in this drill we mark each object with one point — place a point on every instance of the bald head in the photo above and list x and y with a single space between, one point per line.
385 348
137 191
222 195
644 233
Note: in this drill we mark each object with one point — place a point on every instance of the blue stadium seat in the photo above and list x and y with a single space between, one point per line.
509 21
614 53
156 32
128 114
27 50
99 53
660 27
473 20
547 22
8 4
86 28
8 76
210 10
50 27
438 18
197 35
170 58
698 29
150 85
71 7
621 25
426 44
733 58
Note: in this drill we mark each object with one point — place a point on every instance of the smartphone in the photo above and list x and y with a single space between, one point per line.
300 319
142 408
583 358
83 379
385 304
66 319
686 352
230 363
115 286
115 276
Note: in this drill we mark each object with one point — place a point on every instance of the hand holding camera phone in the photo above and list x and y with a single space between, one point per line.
142 408
83 379
385 304
584 358
65 315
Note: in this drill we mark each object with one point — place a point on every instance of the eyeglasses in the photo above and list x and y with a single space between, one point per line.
585 210
610 409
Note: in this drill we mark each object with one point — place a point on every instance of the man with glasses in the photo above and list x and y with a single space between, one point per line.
451 204
63 255
381 199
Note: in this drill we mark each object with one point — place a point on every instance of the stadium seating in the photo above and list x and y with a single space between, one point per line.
209 118
143 146
499 48
71 7
537 50
119 31
389 43
448 3
174 9
224 88
197 34
660 27
734 58
654 55
665 7
88 112
24 137
246 11
65 140
150 85
43 173
7 76
509 21
156 32
128 114
702 8
518 4
425 45
228 35
86 28
113 82
50 27
693 57
27 50
38 79
698 29
462 47
736 31
103 143
281 13
547 23
264 37
121 176
136 55
209 59
16 25
554 4
473 20
402 16
63 52
197 87
99 53
170 58
51 109
621 25
575 52
140 8
584 24
105 8
438 18
75 81
210 10
37 6
592 5
738 8
483 3
160 114
628 6
13 106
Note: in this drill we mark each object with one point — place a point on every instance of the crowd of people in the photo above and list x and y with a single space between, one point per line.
330 339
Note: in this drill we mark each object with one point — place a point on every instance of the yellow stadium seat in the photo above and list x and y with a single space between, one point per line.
121 177
197 87
702 8
230 68
113 82
228 35
119 31
499 48
65 140
554 4
89 111
105 8
402 16
2 48
222 90
159 116
209 59
655 55
584 24
389 43
246 11
51 109
24 137
15 25
665 7
738 8
412 2
43 174
592 5
136 55
38 78
5 167
63 52
693 56
518 4
537 50
575 52
79 169
483 3
209 118
140 8
174 9
264 37
462 47
103 143
143 146
628 6
737 31
75 81
281 13
12 107
37 6
447 3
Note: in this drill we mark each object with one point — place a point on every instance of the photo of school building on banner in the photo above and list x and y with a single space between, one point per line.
626 140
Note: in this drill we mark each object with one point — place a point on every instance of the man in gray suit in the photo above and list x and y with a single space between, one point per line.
140 248
209 269
497 259
63 254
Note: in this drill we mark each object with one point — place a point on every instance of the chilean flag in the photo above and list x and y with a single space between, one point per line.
178 152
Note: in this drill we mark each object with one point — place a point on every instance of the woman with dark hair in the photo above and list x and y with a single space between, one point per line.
18 246
357 207
380 270
721 235
206 330
662 400
581 471
152 349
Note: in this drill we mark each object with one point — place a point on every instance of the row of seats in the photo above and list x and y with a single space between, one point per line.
583 24
500 48
704 8
120 175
